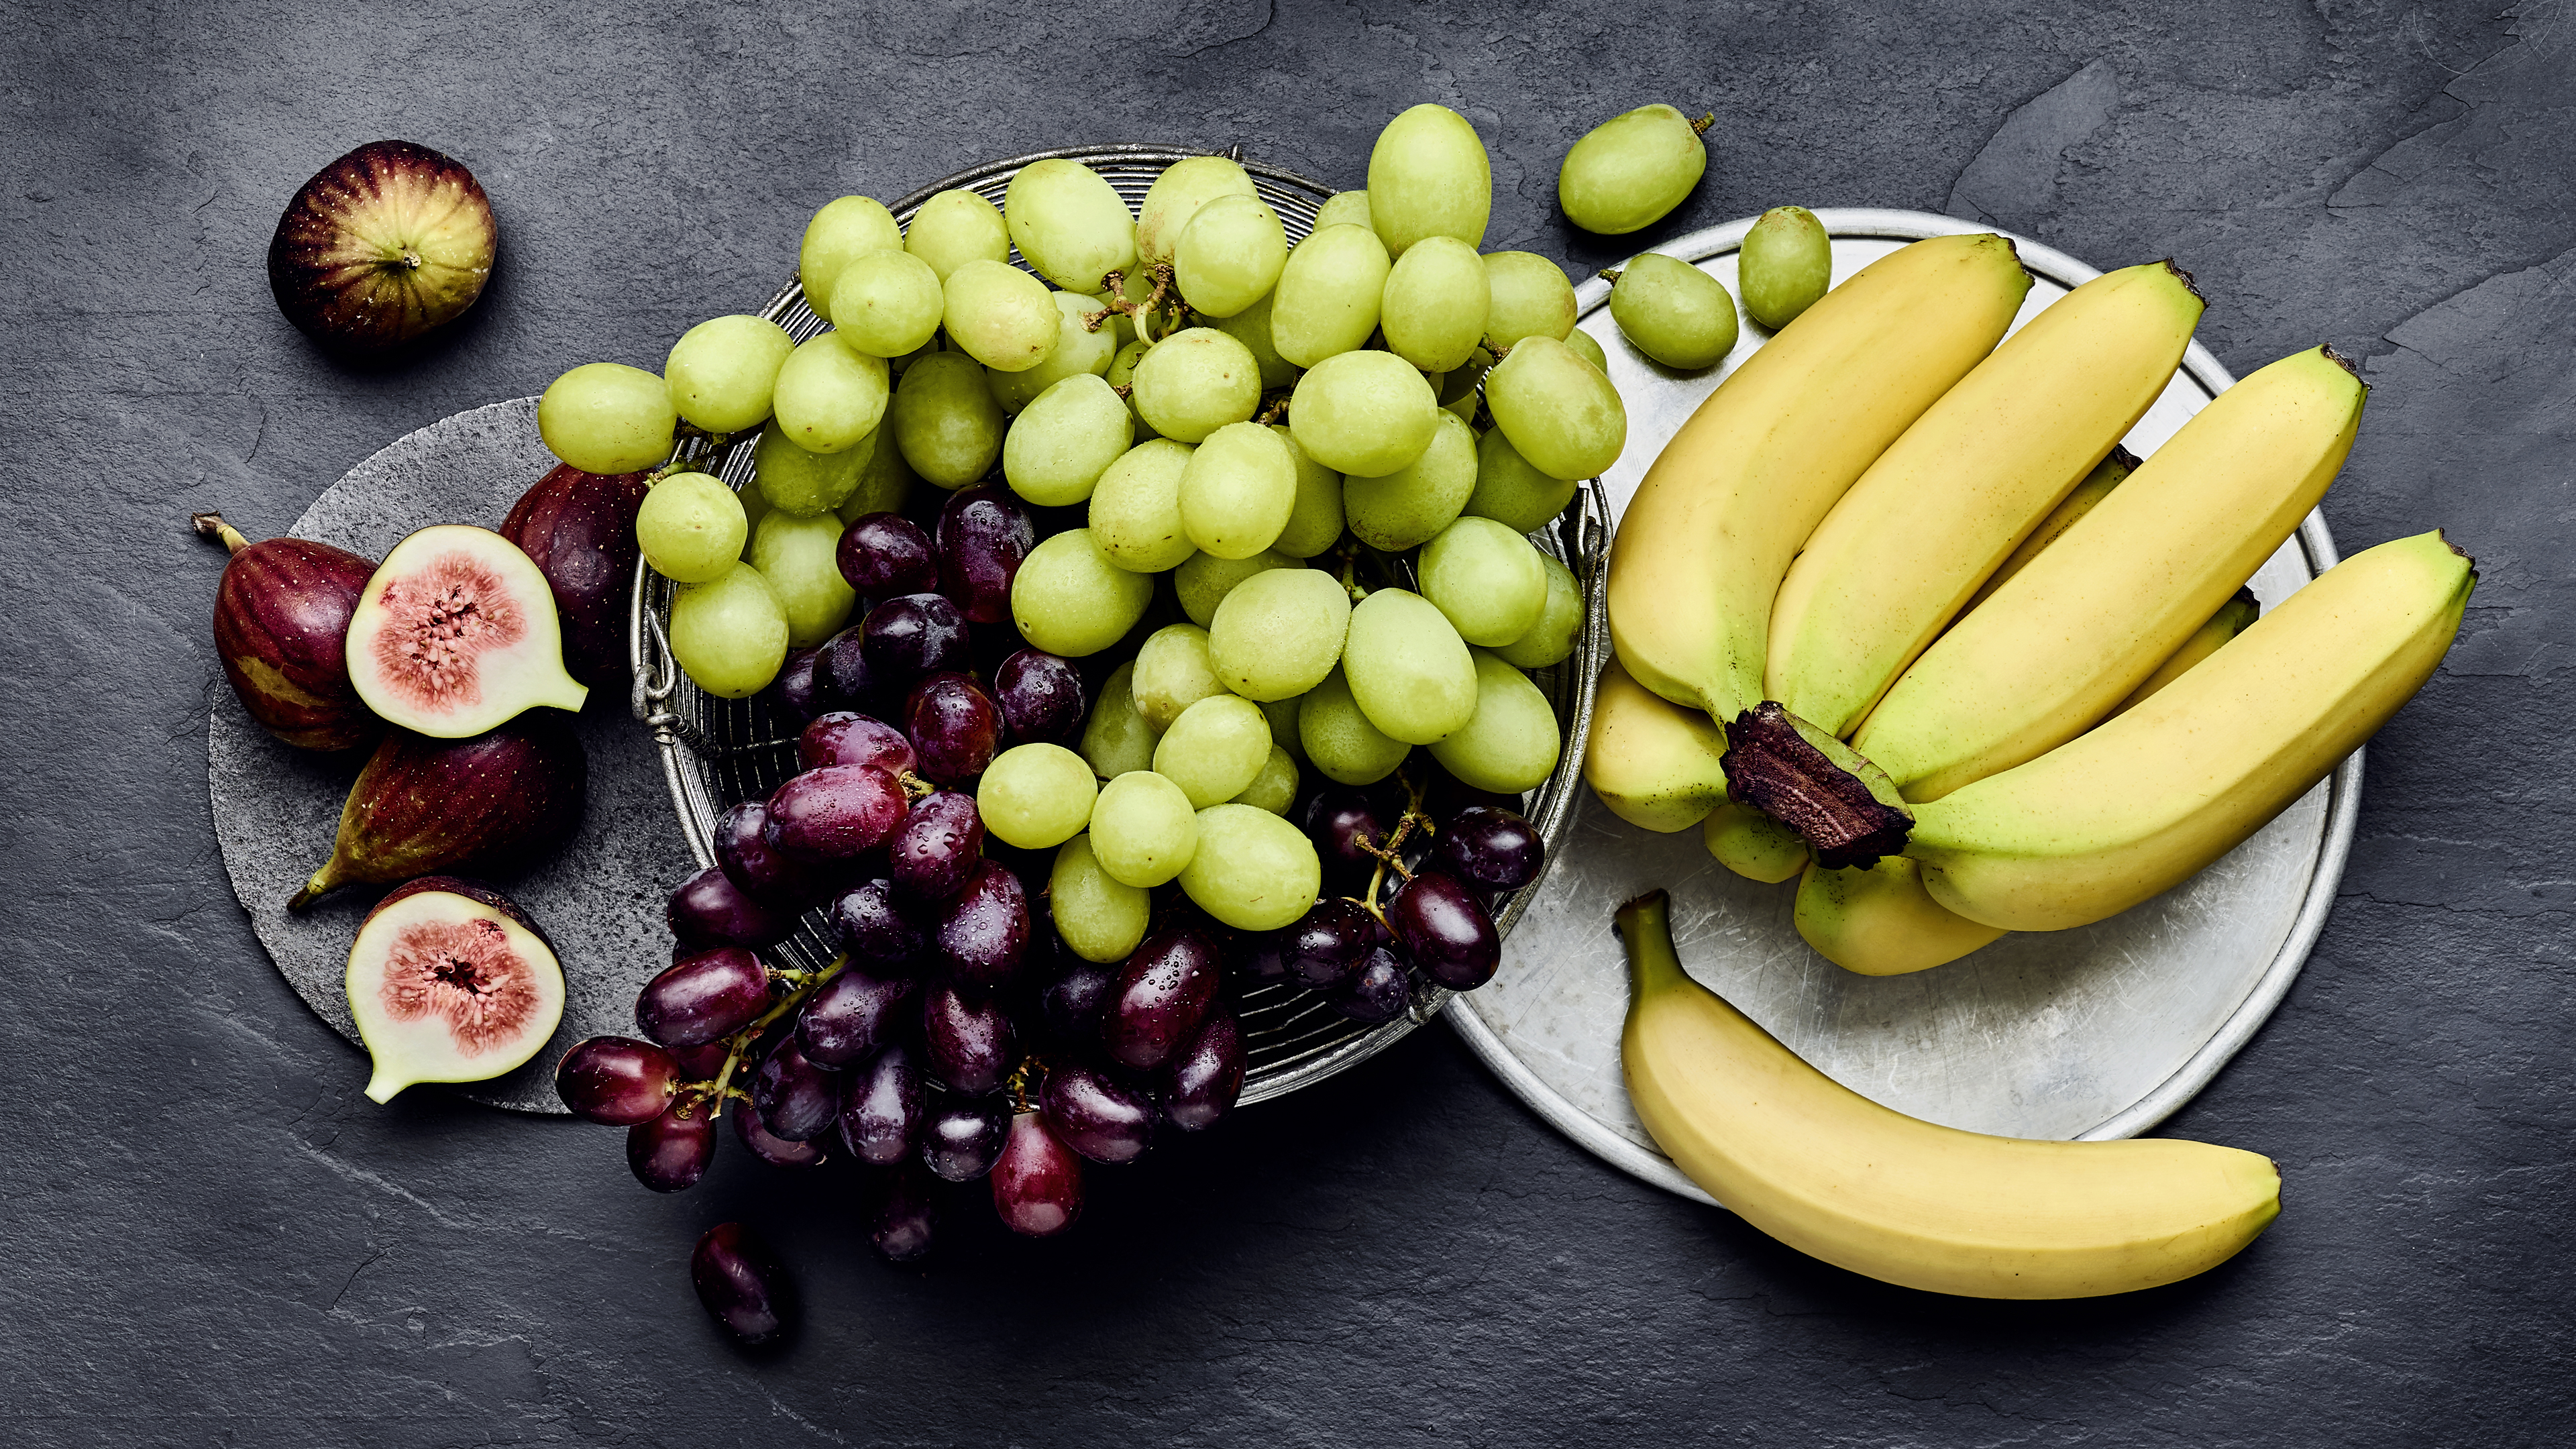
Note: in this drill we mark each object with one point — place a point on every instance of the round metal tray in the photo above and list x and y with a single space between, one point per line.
2093 1033
716 751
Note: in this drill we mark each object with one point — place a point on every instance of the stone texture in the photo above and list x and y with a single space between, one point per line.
212 1239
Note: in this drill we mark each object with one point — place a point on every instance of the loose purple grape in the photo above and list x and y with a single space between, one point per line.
1037 1182
616 1081
702 1063
883 1107
964 1137
906 1219
1341 821
768 1146
954 727
836 813
1446 931
1041 698
1377 992
935 851
885 554
850 1016
1206 1075
795 1095
911 635
1097 1116
709 910
767 875
710 995
967 1039
671 1152
740 1284
1163 992
1494 849
797 692
985 934
878 929
1327 944
983 535
843 678
846 737
1071 1005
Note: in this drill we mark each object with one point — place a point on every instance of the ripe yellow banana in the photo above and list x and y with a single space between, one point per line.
2097 485
1651 761
1702 546
1837 1176
2132 809
2232 619
1878 920
1898 557
2093 615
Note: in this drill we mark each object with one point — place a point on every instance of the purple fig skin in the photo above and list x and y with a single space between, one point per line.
580 530
380 246
282 631
456 885
490 803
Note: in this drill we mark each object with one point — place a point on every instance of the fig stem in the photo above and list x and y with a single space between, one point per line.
315 888
212 526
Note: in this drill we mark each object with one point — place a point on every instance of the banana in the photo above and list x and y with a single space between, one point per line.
1837 1176
1752 844
2097 485
2232 619
1878 920
1654 763
1899 556
2093 614
2132 809
1701 548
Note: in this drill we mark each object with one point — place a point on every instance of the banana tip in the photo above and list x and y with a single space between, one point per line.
2339 360
2188 284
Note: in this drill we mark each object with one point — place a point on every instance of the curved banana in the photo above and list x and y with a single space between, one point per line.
1700 551
1877 920
1654 763
1839 1177
2137 806
2097 485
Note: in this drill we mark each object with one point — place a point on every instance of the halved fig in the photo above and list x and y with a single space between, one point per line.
450 982
282 617
457 633
380 246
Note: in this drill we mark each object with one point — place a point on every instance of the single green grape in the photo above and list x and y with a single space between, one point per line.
1512 742
1551 639
1064 440
887 303
1251 327
1230 255
1435 304
1203 580
1408 668
1177 195
1282 714
1035 796
1101 917
1674 312
1560 413
1315 522
885 480
845 229
828 397
1338 738
1630 171
720 372
1581 341
1238 490
1416 501
787 478
1531 298
1275 788
957 227
606 417
1001 316
945 420
1253 870
1143 831
1078 352
1278 633
1068 598
1786 263
1214 749
1116 739
1343 208
729 633
1429 176
799 557
1122 373
1136 507
1457 390
691 528
1173 672
1069 222
1485 579
1510 491
1196 381
1328 295
1364 413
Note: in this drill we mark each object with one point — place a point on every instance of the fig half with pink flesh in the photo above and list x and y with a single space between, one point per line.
579 530
490 803
380 246
282 629
456 633
450 982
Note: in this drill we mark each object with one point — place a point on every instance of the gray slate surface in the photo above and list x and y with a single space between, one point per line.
211 1239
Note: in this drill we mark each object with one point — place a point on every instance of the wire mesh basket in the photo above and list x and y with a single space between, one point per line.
717 751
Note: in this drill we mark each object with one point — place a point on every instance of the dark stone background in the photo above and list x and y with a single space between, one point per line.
211 1239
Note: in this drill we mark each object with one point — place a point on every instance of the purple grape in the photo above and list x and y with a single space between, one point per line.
709 910
967 1039
1340 820
744 854
982 536
704 998
1444 928
795 1096
934 852
740 1283
1494 849
964 1137
798 690
882 1108
846 737
1041 698
1096 1116
1037 1181
843 678
1206 1075
835 813
1071 1005
1261 958
616 1081
1163 992
906 1219
911 635
1445 795
1377 992
771 1148
849 1017
954 726
702 1063
985 934
671 1152
877 929
885 554
1326 945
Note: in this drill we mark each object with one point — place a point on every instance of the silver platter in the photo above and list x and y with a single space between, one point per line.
2095 1033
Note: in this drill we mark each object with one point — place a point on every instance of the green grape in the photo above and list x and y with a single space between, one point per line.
830 398
1531 298
1203 580
1194 382
1511 744
1069 223
957 227
1315 523
845 229
1435 304
1251 327
1143 830
885 480
1136 507
1068 598
720 371
1364 413
887 303
1581 341
1510 491
1214 749
1338 738
1238 490
1551 639
1101 917
1561 415
1253 870
1673 312
730 634
1282 714
606 417
1344 208
1122 373
1486 579
1631 170
1230 255
945 420
1408 668
691 528
1062 443
1078 352
1328 294
1035 796
1279 633
799 558
1786 263
1185 186
1409 505
786 477
1457 390
1173 672
1275 788
1428 176
1001 316
1117 739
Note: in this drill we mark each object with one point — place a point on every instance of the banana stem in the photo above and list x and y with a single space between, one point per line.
212 526
1646 931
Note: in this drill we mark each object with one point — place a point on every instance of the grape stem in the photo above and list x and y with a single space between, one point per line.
1390 855
1610 275
914 787
722 1089
1706 120
1276 409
